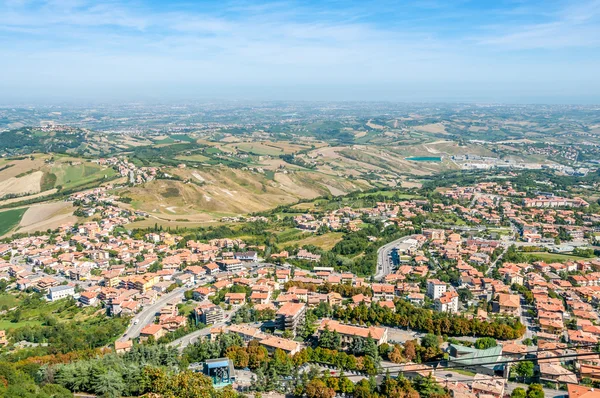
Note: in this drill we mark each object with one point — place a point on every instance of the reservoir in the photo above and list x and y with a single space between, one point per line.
425 158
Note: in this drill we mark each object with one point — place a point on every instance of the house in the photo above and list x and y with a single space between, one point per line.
202 293
235 298
60 292
211 268
247 333
484 385
577 391
348 332
555 373
123 346
185 279
416 298
508 304
153 330
3 340
273 343
290 316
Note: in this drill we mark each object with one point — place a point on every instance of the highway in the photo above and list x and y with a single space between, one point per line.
384 263
148 314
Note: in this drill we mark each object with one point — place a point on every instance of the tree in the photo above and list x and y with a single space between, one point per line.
535 391
396 355
485 342
346 385
317 389
108 383
189 384
524 369
410 351
362 389
430 341
518 393
330 340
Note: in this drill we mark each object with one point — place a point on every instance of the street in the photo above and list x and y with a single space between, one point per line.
384 263
148 314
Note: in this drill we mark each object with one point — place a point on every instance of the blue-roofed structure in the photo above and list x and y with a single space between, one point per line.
220 371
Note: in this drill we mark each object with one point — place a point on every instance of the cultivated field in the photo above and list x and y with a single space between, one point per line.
27 184
9 219
47 216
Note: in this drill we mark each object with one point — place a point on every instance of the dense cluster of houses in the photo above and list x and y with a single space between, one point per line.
98 266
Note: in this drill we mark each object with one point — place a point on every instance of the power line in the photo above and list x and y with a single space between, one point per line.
400 368
510 354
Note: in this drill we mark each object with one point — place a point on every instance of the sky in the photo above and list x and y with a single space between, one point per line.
505 51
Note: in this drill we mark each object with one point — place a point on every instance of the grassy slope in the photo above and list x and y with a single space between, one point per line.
9 219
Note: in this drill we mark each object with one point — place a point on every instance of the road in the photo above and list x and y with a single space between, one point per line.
148 314
191 338
384 263
493 264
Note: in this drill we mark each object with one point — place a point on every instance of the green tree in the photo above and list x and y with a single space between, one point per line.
535 391
485 342
108 383
524 369
518 393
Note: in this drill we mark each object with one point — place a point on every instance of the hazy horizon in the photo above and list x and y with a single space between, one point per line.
508 52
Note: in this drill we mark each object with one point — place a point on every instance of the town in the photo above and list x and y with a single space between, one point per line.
474 272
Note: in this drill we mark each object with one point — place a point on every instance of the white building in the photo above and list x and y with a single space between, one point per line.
435 288
60 292
448 302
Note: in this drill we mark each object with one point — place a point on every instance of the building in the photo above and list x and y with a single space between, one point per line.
435 288
348 332
290 316
507 304
235 298
123 346
220 371
487 362
88 298
487 386
152 330
230 265
576 391
448 302
60 292
273 343
246 256
209 314
247 333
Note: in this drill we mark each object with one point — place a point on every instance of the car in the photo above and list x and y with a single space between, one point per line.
136 321
449 375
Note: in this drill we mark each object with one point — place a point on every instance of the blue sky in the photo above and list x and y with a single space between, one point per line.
431 50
